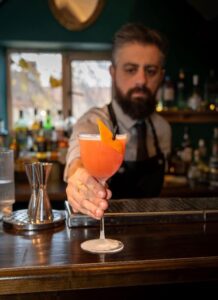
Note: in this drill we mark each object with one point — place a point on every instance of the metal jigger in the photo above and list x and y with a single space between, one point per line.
30 169
43 212
39 214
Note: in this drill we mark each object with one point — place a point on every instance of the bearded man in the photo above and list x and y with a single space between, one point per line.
137 71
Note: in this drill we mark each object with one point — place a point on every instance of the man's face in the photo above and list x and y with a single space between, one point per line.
137 75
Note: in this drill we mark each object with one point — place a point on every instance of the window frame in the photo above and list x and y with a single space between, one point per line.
67 58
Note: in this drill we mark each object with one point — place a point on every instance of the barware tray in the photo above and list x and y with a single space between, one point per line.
150 210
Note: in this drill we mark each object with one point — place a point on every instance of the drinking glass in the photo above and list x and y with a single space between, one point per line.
101 161
7 193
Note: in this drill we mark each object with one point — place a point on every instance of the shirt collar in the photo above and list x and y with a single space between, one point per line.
126 120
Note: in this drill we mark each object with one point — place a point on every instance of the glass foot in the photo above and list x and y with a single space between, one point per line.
102 246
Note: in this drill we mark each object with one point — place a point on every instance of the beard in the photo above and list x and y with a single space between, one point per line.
136 107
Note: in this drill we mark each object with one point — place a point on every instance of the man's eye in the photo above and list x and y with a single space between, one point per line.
151 71
130 70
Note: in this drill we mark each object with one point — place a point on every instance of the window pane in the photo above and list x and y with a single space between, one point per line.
91 84
35 83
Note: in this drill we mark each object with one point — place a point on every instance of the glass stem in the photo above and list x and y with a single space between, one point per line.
102 233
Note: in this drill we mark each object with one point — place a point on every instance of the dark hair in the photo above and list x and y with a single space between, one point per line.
137 32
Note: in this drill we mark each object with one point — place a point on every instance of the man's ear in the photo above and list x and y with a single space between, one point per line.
112 71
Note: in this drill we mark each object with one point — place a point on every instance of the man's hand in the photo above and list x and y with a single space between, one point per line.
86 195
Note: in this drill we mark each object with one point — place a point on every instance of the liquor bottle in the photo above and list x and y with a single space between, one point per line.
215 143
181 91
168 93
203 161
21 131
213 161
40 144
48 124
195 99
59 124
211 91
3 134
54 145
186 149
68 124
202 150
14 146
194 171
36 121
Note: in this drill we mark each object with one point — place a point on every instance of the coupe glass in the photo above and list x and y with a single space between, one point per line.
101 161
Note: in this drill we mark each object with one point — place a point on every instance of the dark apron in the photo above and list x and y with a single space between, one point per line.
138 179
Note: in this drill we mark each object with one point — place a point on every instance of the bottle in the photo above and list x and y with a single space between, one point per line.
68 124
181 91
36 122
186 149
3 134
213 161
211 90
54 145
194 172
215 143
202 150
203 161
14 146
40 144
21 131
59 124
195 99
168 93
47 125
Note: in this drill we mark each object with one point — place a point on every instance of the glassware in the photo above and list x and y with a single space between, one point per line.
43 210
101 161
33 181
7 193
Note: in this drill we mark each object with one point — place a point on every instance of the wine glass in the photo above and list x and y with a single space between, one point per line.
102 161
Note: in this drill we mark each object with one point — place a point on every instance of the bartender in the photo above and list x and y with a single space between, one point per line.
137 71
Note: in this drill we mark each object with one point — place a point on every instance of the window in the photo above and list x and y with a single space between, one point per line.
35 82
71 82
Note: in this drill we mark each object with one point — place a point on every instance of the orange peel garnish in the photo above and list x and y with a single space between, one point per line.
107 137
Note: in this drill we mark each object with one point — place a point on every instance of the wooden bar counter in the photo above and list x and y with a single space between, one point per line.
156 259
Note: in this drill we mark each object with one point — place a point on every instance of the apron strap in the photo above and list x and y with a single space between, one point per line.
156 143
113 118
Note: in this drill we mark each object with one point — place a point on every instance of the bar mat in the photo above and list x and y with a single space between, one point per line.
151 210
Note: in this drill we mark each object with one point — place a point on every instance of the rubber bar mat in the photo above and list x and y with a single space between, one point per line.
149 210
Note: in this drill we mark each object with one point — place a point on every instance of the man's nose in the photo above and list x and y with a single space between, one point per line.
141 78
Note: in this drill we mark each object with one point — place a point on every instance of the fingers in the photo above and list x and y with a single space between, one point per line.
86 195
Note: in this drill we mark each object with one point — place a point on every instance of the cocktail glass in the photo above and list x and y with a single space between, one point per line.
101 161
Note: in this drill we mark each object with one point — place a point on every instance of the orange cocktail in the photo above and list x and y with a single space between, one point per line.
101 160
102 155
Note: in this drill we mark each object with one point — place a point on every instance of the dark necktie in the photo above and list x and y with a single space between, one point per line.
142 152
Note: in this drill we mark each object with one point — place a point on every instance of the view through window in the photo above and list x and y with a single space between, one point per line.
36 83
91 85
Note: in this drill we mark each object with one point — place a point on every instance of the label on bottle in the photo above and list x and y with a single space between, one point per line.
168 94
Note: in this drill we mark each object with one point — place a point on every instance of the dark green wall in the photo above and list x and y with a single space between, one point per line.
32 21
193 39
3 113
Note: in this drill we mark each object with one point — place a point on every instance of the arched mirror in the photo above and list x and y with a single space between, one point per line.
76 14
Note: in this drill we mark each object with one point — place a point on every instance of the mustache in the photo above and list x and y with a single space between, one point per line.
139 89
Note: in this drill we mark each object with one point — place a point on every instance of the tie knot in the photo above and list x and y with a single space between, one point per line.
140 125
